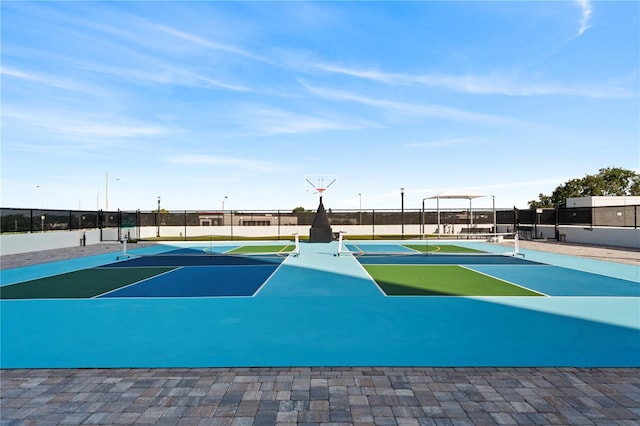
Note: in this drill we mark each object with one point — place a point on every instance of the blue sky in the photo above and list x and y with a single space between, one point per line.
198 101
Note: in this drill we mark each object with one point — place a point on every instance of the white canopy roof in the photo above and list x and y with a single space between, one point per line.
459 194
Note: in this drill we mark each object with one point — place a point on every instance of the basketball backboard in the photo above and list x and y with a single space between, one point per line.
317 184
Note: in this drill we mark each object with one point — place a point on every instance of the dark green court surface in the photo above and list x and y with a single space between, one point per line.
80 284
440 280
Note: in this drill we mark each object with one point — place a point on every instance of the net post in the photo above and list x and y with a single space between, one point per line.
124 254
341 248
296 250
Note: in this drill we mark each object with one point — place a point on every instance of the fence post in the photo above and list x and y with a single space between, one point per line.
373 224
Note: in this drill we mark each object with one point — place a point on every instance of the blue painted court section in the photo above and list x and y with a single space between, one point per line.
200 282
557 281
319 272
321 310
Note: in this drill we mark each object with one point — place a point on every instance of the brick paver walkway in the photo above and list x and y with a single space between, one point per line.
315 396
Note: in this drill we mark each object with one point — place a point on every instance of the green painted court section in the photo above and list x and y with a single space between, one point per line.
440 280
81 284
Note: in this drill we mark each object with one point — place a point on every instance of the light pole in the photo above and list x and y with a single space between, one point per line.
402 210
360 211
42 216
495 220
423 231
106 191
225 197
158 218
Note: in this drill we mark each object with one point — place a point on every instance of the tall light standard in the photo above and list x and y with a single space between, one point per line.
423 228
225 197
402 210
42 216
106 191
495 220
158 218
360 211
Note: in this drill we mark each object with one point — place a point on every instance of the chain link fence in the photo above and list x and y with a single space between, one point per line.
16 220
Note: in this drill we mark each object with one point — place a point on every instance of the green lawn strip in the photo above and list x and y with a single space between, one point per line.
440 280
79 284
444 248
263 249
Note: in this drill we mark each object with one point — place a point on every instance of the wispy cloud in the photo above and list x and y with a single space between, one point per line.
94 131
166 74
50 81
586 10
209 44
446 143
491 84
423 109
272 121
246 164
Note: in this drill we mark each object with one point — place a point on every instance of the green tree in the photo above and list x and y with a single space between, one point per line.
610 181
544 201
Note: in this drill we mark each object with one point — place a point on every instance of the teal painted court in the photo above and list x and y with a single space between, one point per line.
320 309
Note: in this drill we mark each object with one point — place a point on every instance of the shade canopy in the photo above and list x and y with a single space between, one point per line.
459 195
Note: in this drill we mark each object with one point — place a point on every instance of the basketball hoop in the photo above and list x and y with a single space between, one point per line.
317 182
